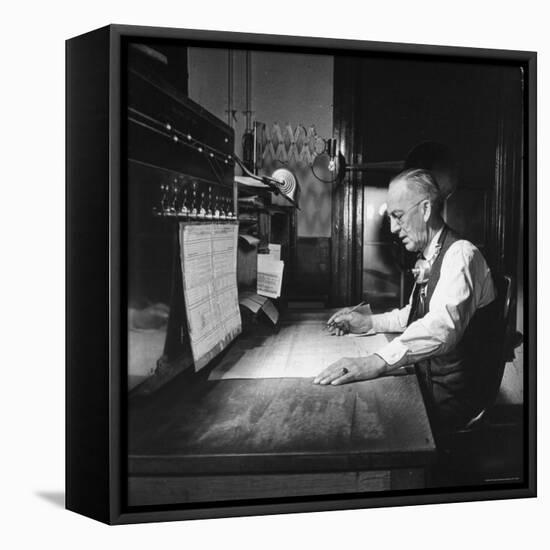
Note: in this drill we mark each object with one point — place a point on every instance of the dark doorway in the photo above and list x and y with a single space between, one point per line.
383 110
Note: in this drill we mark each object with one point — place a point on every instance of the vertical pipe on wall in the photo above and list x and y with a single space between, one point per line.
248 88
230 88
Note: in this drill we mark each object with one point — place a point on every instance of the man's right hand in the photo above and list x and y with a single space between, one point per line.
346 320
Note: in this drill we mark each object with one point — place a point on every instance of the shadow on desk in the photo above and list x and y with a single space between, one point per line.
268 438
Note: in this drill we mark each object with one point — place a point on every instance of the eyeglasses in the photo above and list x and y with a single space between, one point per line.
398 218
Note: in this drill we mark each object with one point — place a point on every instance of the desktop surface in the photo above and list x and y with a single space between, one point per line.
267 427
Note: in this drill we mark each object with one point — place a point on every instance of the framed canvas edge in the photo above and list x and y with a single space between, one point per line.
118 513
326 504
530 238
278 40
87 371
116 403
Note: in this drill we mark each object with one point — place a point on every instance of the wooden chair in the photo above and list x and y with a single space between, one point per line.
498 351
486 450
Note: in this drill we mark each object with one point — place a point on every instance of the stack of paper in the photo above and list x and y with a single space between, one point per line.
254 302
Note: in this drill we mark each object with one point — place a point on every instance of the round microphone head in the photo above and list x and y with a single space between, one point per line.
287 181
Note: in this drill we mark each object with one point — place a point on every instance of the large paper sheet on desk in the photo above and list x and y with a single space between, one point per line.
209 270
296 351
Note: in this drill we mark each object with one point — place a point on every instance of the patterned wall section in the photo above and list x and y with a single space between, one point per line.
293 147
284 87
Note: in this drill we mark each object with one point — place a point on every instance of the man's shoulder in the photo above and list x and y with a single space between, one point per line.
464 245
464 252
461 245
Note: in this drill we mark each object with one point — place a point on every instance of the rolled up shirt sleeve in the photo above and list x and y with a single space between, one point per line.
465 284
392 321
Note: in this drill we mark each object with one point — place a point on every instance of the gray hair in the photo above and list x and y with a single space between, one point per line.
422 182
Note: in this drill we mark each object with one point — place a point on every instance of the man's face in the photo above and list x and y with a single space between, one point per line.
407 210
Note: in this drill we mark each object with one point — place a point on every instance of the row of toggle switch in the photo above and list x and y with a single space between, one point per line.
190 202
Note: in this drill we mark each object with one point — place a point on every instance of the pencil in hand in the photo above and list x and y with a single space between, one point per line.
330 322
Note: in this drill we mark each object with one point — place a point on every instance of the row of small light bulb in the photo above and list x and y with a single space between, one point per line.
200 147
193 212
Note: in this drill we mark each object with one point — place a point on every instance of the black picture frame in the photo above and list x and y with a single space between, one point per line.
95 254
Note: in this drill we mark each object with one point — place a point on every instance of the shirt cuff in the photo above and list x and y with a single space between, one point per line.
369 333
393 352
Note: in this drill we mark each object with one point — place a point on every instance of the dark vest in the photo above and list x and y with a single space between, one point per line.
457 385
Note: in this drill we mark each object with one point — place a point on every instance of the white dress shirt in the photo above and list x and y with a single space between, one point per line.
464 285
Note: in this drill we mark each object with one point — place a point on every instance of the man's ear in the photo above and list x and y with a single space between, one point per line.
427 205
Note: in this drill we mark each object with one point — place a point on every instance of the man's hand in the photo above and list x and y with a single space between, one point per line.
351 369
346 320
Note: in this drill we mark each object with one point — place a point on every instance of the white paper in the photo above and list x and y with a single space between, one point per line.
271 311
250 240
298 350
254 302
250 182
270 276
275 251
209 272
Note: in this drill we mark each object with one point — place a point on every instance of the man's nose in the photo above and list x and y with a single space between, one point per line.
394 226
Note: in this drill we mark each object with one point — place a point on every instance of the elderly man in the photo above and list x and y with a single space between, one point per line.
446 315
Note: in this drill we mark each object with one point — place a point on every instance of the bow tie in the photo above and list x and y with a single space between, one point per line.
421 269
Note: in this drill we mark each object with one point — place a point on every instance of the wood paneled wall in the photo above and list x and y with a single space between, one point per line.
383 107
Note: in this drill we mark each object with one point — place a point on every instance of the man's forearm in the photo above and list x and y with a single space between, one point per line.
391 321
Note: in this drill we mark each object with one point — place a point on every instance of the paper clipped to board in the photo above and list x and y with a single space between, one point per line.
209 274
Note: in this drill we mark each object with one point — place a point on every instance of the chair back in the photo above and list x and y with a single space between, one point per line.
502 334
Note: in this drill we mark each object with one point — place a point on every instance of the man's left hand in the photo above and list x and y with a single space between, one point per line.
351 369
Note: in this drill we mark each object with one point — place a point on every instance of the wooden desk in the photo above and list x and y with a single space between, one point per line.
198 441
